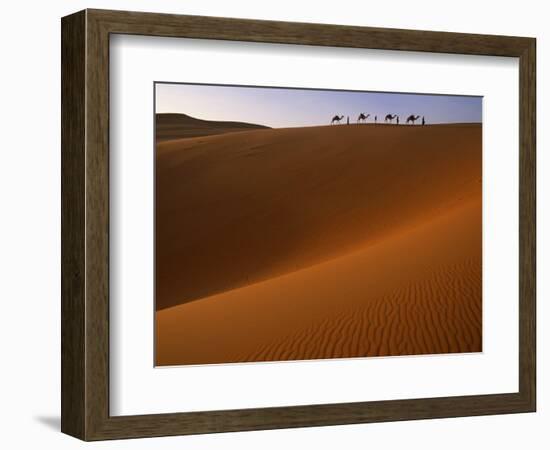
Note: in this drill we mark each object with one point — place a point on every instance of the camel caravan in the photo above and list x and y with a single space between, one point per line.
362 118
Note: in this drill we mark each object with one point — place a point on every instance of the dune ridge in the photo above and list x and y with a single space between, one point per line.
258 204
321 242
170 126
417 292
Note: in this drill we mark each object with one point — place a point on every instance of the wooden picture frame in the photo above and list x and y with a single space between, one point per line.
85 224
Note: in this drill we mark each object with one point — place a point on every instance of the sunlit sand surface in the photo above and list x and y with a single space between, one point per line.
318 242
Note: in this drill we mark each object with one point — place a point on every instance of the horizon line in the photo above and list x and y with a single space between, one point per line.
314 125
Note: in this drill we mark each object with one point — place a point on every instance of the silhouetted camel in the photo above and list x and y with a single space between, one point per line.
336 119
362 117
412 118
389 117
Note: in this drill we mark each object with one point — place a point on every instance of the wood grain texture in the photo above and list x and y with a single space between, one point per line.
201 27
85 224
527 225
97 226
72 224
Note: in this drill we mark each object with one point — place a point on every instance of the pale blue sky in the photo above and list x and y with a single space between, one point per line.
282 107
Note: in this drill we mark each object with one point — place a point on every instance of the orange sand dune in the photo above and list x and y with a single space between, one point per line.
240 209
417 291
169 126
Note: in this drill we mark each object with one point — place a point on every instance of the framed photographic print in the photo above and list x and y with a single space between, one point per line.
270 224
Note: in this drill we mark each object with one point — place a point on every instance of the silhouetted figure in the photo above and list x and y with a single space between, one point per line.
412 118
389 118
336 119
362 117
375 119
348 120
397 120
423 121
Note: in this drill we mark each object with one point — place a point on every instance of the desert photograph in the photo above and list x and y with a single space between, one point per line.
304 224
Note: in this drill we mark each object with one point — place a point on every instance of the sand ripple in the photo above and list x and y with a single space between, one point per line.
440 314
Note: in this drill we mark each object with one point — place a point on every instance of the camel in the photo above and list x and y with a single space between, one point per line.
336 119
362 117
389 117
412 118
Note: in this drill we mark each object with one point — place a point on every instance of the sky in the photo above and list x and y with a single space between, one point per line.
283 107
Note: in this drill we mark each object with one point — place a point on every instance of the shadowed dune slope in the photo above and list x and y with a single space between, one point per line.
239 209
418 291
178 126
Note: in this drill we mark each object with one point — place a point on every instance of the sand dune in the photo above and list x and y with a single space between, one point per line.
237 209
323 242
416 292
179 126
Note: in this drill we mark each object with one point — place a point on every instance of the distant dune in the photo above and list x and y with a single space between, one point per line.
318 242
177 126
